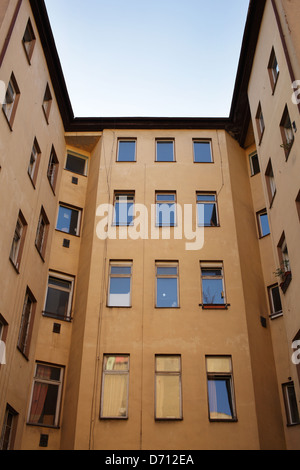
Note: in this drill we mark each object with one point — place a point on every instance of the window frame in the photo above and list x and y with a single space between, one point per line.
168 203
65 278
49 381
36 156
168 373
253 172
29 42
12 428
207 202
260 123
206 266
287 134
106 373
274 313
78 210
16 257
122 140
129 195
273 70
13 94
288 404
221 375
79 156
42 236
270 182
52 171
26 324
47 103
202 141
297 201
164 140
167 265
119 264
260 214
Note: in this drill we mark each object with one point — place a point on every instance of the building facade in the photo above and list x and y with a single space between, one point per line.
149 265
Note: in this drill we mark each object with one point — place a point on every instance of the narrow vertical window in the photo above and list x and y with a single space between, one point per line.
34 162
207 210
59 296
47 103
46 395
52 171
298 204
165 150
9 429
119 291
18 241
263 223
290 401
42 233
29 41
273 70
287 133
167 284
270 182
275 300
165 209
27 320
284 271
221 403
202 151
254 164
115 384
11 100
123 208
213 291
168 402
260 122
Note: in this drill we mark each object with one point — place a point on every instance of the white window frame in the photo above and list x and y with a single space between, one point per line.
62 277
81 157
165 141
107 372
167 264
119 264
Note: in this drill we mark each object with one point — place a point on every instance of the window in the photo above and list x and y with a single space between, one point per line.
34 162
123 208
220 388
52 171
167 292
207 210
287 133
3 334
18 241
254 164
285 270
29 41
59 296
9 429
115 383
26 323
126 150
270 182
42 233
119 292
76 164
290 401
298 204
47 103
46 395
11 100
165 150
213 293
260 122
168 402
202 151
273 70
68 220
165 209
263 223
275 300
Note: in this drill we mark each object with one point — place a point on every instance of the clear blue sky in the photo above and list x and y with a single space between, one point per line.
149 58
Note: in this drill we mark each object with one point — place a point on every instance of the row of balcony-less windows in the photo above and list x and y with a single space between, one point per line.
45 408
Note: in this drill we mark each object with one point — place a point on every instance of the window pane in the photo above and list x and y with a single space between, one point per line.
123 213
126 151
165 197
166 214
276 300
264 224
114 398
67 220
213 291
76 164
166 292
219 396
120 270
168 400
119 292
209 212
292 404
57 302
218 364
165 151
116 363
167 271
202 152
44 401
254 165
168 364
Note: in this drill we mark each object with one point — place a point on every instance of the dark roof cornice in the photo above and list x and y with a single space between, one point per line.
237 123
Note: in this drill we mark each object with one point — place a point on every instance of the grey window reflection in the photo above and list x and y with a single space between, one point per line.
202 152
165 151
126 151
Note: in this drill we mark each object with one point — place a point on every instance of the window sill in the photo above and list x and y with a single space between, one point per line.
214 306
67 233
57 317
43 425
233 420
286 281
